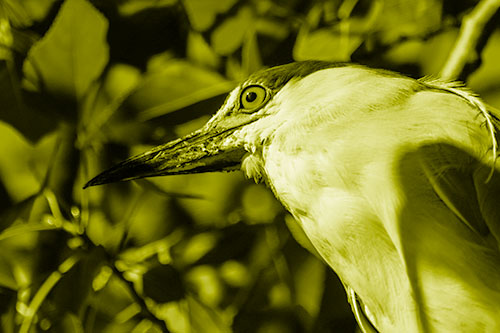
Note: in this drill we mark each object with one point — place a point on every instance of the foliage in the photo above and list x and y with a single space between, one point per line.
87 83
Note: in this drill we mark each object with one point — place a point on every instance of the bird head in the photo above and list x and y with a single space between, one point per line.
236 134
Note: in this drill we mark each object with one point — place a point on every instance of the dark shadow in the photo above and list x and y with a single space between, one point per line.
449 223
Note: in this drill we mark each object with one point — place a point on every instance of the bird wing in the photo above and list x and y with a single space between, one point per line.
468 187
488 193
447 169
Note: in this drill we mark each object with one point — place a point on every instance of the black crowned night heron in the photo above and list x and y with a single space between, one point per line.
392 179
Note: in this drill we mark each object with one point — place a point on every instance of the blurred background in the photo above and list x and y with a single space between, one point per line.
85 84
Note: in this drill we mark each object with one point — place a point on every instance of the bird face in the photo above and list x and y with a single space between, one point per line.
246 121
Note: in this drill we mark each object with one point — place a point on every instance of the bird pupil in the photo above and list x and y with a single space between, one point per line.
251 96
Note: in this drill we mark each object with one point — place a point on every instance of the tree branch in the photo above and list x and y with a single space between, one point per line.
130 286
471 33
139 300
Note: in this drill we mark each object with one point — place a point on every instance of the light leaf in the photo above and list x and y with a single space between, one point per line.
230 35
202 13
325 44
73 52
177 85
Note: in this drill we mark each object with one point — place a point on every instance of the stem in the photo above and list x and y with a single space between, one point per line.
469 39
130 286
139 300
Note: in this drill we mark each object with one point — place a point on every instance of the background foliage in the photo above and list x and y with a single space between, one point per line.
86 83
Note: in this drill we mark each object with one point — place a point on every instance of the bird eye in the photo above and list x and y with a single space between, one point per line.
253 97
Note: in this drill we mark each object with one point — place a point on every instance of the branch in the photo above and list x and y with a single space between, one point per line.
130 286
469 39
139 300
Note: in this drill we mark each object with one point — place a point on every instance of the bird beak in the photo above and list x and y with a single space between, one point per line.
205 150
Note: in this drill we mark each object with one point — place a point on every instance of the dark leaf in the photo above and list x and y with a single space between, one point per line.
31 123
70 294
23 13
163 284
7 298
236 243
69 323
19 210
7 279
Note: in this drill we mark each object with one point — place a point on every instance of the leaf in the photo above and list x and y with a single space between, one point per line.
133 7
259 205
68 323
405 18
15 170
7 279
72 54
163 284
251 58
15 111
7 300
72 292
151 186
23 13
199 52
229 36
21 229
485 79
325 44
177 85
202 13
15 13
309 284
21 209
206 319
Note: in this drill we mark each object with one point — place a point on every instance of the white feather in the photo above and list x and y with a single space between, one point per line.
338 149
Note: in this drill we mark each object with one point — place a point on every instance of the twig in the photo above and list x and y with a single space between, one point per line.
130 286
44 290
471 32
140 300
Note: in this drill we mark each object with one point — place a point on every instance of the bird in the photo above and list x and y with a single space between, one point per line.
392 180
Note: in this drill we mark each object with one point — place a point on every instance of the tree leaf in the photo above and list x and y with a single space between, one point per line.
72 292
163 284
177 85
251 58
7 300
15 111
202 13
325 44
132 7
69 323
72 54
23 13
229 36
7 279
400 18
21 209
15 171
206 319
21 229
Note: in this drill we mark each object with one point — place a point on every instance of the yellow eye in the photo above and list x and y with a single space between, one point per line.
253 97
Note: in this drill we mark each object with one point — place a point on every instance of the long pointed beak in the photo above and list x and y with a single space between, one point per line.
200 151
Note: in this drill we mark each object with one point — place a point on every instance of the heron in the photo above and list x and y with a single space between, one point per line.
392 180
